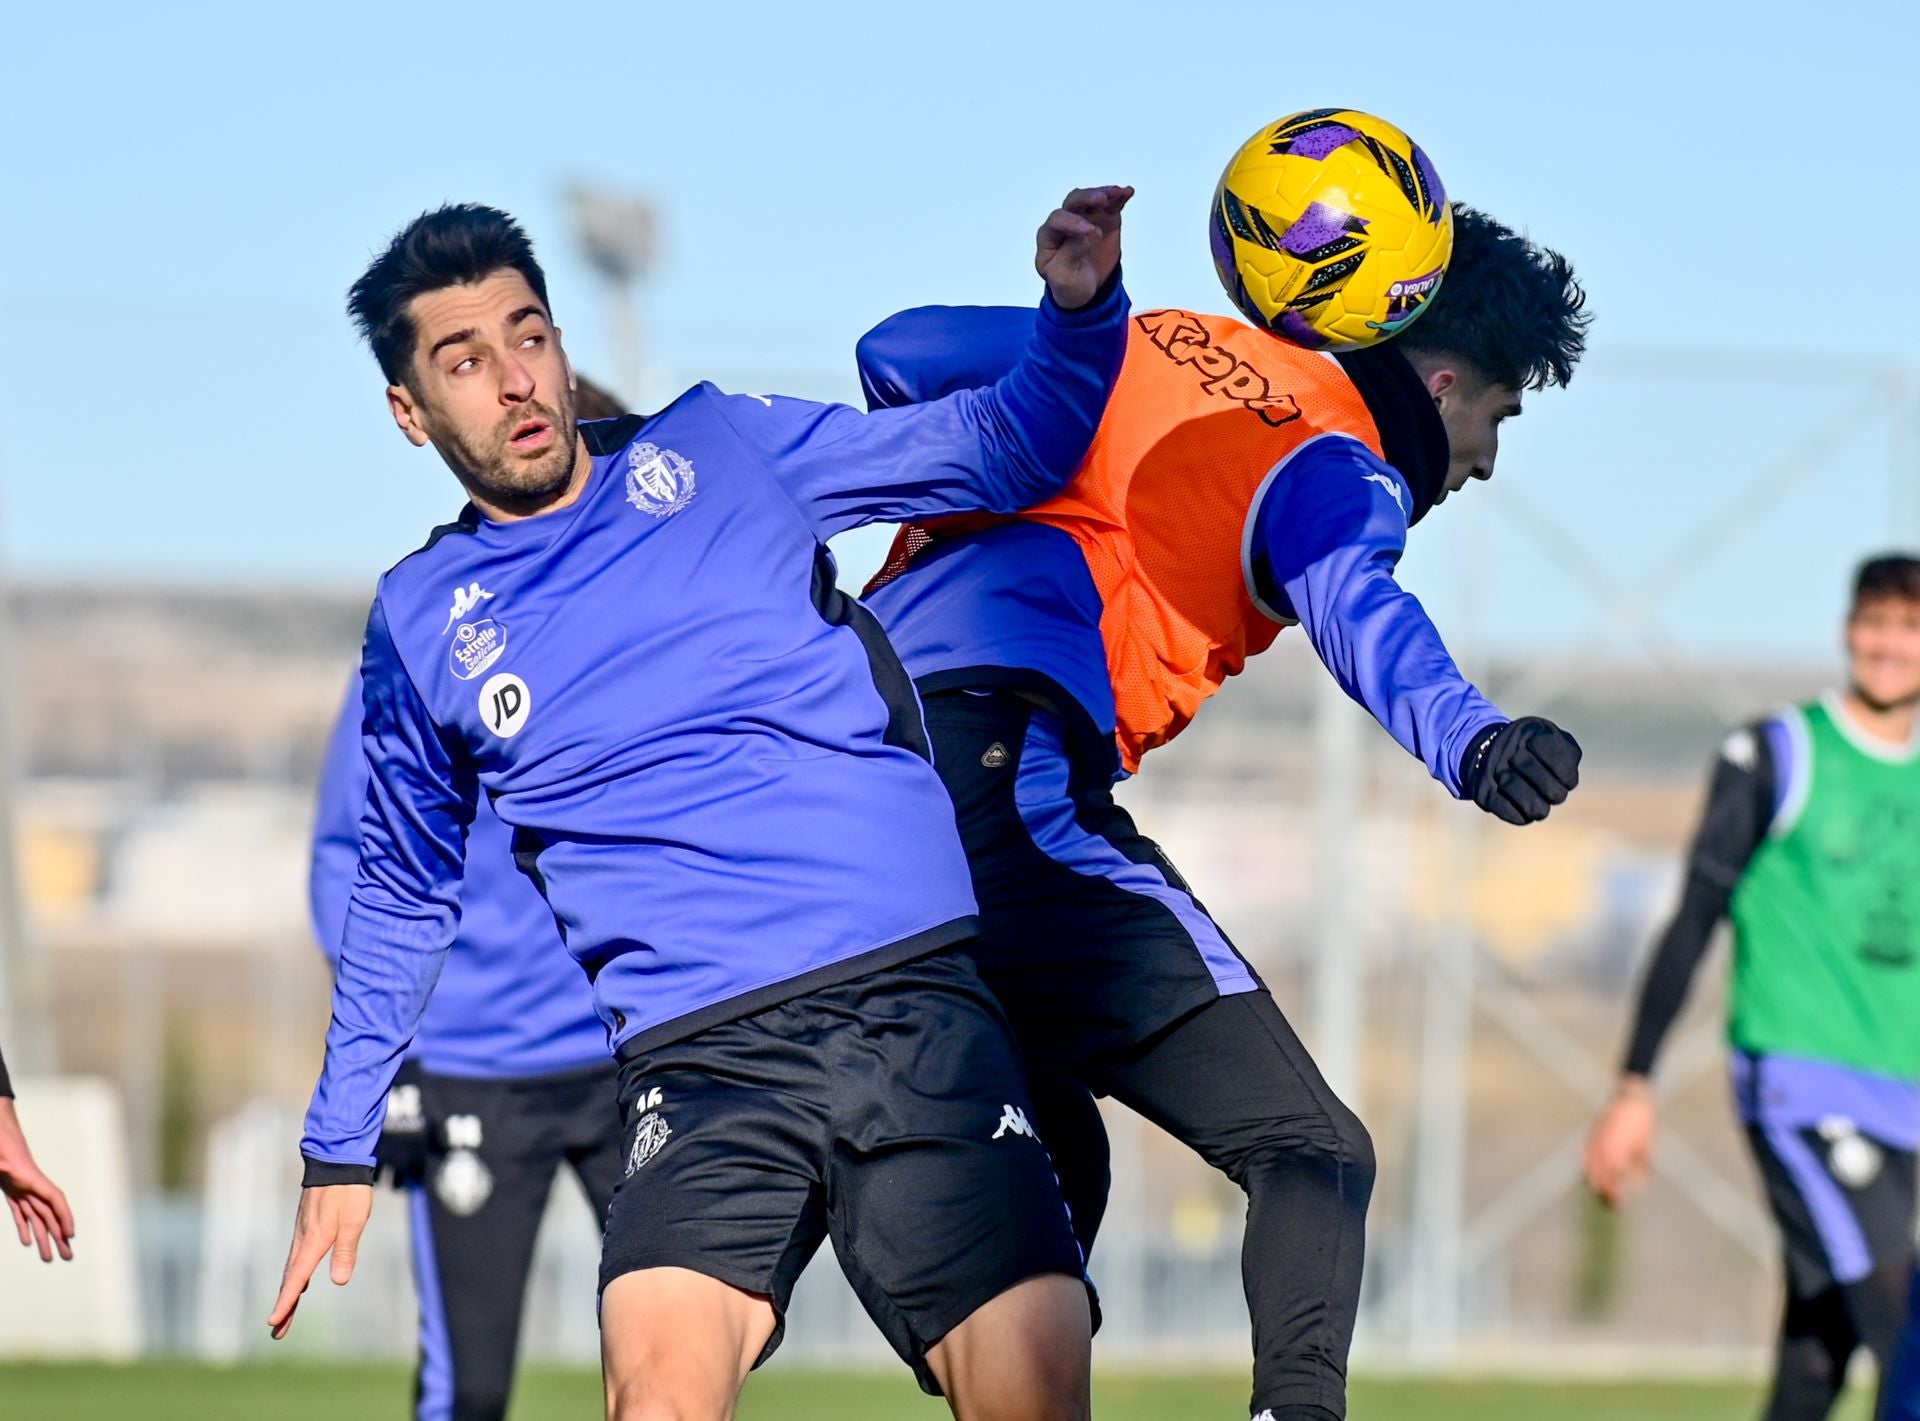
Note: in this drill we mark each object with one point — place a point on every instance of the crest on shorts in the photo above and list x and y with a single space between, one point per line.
649 1138
1852 1158
659 481
464 1183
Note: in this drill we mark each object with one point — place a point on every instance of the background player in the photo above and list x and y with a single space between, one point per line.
40 1212
1056 649
508 1081
1810 843
717 774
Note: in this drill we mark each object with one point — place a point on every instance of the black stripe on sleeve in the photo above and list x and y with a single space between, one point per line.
905 726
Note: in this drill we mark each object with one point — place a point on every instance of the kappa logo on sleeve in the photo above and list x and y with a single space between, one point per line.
1392 486
1740 751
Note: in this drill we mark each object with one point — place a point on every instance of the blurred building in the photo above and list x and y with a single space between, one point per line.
170 742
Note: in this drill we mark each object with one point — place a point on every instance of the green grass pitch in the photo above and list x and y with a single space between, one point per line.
305 1392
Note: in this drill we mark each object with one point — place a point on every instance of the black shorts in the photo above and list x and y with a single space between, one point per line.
491 1151
1089 936
888 1113
1844 1201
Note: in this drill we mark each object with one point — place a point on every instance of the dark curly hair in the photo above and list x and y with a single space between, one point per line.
1889 575
450 246
1511 309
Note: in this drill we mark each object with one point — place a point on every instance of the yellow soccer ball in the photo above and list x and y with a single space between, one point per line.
1330 229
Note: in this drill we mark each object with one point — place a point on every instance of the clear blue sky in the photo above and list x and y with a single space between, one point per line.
189 191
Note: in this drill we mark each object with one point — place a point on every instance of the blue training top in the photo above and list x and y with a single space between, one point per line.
511 1002
1322 541
712 763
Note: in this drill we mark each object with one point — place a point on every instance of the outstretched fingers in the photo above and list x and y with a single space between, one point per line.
301 1261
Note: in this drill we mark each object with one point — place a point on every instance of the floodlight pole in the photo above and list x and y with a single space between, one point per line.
617 233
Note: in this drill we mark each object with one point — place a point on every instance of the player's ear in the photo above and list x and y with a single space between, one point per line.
1441 381
408 415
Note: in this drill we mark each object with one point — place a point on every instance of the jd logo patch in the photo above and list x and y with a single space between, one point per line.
505 703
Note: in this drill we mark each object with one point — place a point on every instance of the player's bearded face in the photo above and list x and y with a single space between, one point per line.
491 462
1883 649
491 390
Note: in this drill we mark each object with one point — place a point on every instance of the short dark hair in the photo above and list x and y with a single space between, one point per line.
451 246
1888 575
590 401
1509 307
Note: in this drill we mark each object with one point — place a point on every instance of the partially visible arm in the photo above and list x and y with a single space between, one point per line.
1001 449
1739 810
930 352
1322 546
41 1216
336 825
401 918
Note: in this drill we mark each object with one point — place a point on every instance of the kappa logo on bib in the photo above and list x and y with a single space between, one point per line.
505 703
659 481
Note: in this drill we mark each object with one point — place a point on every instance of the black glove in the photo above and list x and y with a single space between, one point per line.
401 1150
1520 770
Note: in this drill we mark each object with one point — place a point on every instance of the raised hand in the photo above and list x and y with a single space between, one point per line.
40 1213
1079 244
1519 771
331 1219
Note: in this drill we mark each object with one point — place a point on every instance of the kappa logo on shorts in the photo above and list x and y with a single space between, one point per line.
649 1138
463 1132
1014 1120
996 756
